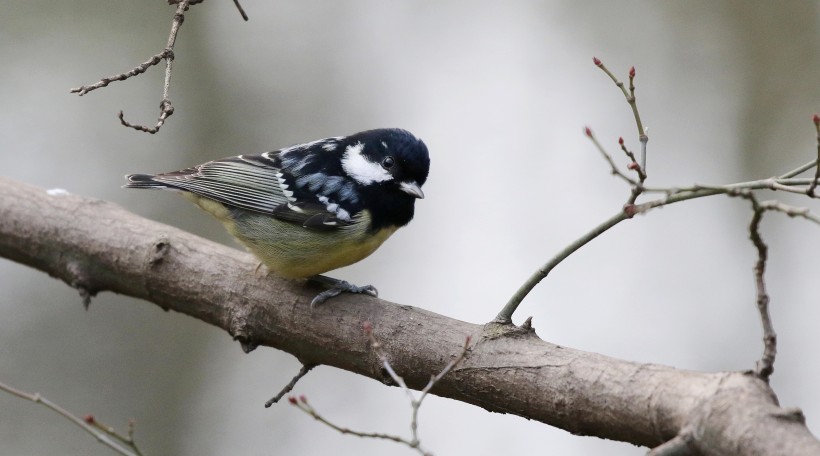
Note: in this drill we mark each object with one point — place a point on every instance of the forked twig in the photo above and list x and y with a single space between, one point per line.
786 182
122 444
413 442
166 108
765 366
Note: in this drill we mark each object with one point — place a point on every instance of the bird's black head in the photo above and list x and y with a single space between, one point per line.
390 165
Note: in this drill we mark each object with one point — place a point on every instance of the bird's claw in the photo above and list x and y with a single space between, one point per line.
340 287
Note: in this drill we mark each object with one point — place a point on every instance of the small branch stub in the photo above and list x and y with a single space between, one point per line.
289 387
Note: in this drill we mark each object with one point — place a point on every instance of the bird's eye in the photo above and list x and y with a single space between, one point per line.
388 162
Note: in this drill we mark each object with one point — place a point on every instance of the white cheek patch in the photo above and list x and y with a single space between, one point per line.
360 168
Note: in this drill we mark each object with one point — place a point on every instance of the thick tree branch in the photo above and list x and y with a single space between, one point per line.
96 246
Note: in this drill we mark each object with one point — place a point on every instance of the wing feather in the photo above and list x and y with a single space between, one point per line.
249 182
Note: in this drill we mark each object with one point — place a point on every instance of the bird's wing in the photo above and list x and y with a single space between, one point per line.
250 182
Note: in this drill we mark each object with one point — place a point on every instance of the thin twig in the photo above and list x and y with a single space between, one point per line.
791 211
628 211
302 372
414 442
636 186
88 424
633 164
235 2
241 11
765 366
139 69
630 98
636 190
810 190
786 182
505 316
613 167
302 403
127 439
167 54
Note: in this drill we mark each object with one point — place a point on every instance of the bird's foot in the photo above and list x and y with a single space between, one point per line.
338 287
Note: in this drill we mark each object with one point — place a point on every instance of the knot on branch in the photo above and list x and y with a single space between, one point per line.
496 330
240 327
386 378
158 251
79 279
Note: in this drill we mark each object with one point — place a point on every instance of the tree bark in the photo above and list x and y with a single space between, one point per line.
95 246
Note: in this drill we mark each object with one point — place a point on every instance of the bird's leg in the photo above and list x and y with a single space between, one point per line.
338 287
265 270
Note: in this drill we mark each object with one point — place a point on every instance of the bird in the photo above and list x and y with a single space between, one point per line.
310 208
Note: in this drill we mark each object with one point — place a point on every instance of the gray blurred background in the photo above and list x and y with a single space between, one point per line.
500 93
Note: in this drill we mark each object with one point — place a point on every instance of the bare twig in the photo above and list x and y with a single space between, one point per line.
613 167
241 11
636 190
672 196
414 442
633 164
813 186
302 403
302 372
121 444
167 54
505 316
415 403
636 186
628 211
139 69
765 366
235 2
630 98
786 182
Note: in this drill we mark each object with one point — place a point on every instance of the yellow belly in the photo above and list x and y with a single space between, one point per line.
293 251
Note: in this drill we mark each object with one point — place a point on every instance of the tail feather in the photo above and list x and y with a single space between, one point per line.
144 181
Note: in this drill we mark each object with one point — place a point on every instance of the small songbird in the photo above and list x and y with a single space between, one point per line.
310 208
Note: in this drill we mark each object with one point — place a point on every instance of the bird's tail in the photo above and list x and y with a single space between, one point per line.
144 181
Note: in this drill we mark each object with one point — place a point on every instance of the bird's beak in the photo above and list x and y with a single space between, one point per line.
412 188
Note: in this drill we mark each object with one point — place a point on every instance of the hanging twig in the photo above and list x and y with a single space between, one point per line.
414 442
166 108
289 387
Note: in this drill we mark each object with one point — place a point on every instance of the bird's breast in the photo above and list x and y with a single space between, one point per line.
293 251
